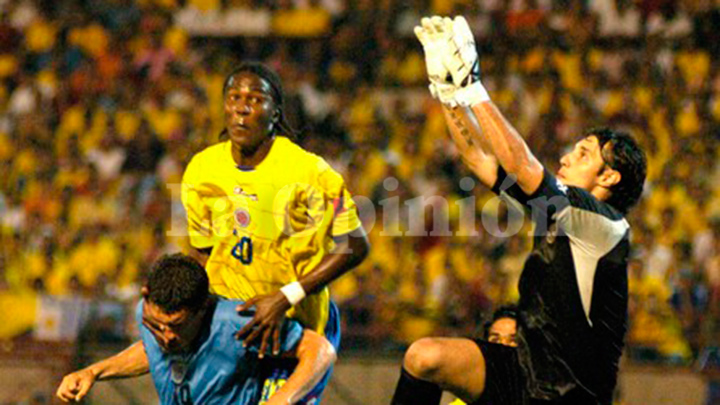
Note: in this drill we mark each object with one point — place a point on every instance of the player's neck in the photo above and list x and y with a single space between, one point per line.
601 193
251 157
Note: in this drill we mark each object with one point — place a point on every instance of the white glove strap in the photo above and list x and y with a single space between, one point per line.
470 95
294 292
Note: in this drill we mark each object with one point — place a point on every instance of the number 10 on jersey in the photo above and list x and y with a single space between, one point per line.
243 250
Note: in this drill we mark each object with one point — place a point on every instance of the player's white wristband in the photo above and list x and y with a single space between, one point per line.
294 292
471 95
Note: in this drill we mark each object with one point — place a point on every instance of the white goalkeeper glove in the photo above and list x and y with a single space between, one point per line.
435 42
453 43
463 64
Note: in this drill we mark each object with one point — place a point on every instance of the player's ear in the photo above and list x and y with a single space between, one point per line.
609 177
276 115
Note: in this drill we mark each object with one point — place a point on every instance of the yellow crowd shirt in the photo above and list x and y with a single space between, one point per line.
267 225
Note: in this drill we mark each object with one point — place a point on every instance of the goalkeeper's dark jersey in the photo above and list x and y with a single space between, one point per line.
573 290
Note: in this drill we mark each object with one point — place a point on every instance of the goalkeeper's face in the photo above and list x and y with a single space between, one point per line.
251 112
585 167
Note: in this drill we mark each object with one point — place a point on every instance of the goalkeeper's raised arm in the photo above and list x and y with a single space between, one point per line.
453 68
464 129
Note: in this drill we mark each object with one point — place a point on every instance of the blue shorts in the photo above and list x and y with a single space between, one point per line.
276 371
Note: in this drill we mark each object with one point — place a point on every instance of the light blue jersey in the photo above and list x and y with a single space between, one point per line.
219 370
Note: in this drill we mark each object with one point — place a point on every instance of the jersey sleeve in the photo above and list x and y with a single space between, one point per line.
551 196
345 215
198 214
592 224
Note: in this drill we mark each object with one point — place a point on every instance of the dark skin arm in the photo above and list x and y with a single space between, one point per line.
271 308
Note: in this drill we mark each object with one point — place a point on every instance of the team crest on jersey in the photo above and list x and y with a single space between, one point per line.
242 217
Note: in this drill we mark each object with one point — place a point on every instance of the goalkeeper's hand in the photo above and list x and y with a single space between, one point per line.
461 59
463 64
436 39
453 63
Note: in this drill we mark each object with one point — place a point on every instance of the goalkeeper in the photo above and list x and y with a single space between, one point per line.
572 311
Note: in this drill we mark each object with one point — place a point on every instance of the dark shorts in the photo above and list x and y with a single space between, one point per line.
505 381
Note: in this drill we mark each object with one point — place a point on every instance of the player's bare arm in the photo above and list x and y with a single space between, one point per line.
464 129
467 138
270 309
503 141
349 252
131 362
450 53
315 356
508 146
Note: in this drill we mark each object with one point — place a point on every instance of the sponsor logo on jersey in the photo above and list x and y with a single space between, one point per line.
239 191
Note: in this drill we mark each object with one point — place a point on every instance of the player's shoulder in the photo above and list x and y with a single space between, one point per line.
210 153
205 160
593 220
288 148
301 161
225 308
226 312
584 200
578 198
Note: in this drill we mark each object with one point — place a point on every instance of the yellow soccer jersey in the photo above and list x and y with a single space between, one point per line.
267 225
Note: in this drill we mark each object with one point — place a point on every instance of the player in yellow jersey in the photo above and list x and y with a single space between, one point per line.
272 223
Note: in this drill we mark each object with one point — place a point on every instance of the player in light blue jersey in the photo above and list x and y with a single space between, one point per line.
188 346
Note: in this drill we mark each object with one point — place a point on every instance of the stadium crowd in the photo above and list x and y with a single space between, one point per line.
103 102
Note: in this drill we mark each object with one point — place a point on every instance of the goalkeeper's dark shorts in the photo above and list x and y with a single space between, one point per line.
505 381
